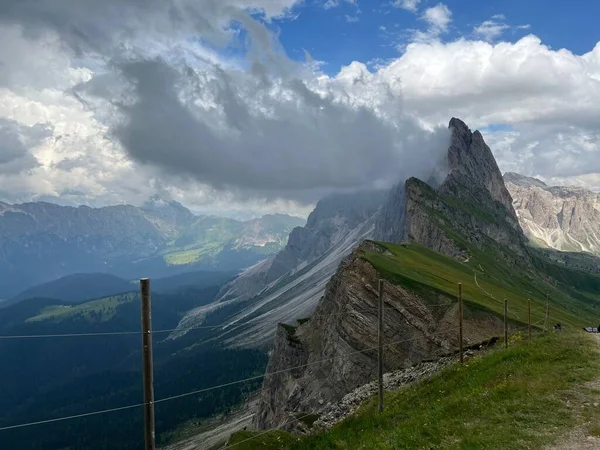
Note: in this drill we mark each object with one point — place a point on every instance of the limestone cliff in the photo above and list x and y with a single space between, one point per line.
336 348
289 285
469 209
560 217
472 202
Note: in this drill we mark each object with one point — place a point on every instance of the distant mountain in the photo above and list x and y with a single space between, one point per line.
78 287
82 287
41 242
565 218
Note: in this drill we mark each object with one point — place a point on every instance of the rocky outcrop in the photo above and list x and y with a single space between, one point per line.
559 217
336 350
289 285
471 202
333 219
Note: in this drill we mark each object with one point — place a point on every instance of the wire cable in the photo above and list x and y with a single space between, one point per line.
199 391
170 330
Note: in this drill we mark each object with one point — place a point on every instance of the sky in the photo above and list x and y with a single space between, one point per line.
246 107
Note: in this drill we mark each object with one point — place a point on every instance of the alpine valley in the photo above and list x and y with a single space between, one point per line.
41 242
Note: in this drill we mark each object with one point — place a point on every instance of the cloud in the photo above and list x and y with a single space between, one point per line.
275 129
549 97
139 104
284 138
351 19
492 29
409 5
15 142
438 17
335 3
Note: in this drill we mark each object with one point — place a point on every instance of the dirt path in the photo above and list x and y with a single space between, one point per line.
580 438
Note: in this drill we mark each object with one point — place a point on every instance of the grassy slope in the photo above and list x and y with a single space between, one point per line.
508 399
413 265
104 308
515 393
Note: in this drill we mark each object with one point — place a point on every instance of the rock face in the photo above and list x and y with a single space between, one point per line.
563 218
41 241
289 285
337 348
472 199
469 209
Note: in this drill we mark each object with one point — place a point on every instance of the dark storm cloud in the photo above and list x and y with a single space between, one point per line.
285 143
264 131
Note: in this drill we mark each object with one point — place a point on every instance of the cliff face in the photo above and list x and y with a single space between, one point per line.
563 218
289 285
471 201
468 209
333 219
338 345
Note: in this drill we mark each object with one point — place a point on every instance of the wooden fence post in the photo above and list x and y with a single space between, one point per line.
147 364
529 318
460 322
505 323
380 347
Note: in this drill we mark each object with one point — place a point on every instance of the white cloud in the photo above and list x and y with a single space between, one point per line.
547 96
490 29
409 5
438 17
334 3
351 19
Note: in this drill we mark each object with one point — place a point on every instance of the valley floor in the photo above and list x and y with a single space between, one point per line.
543 395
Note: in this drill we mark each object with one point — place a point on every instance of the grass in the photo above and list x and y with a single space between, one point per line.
423 271
101 310
507 399
190 256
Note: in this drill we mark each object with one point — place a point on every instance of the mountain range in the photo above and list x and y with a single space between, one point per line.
40 242
564 218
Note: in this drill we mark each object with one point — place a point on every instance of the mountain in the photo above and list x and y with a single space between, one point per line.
560 217
288 285
460 229
41 242
82 287
78 287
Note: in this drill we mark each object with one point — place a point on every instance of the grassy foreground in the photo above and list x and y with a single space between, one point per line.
522 398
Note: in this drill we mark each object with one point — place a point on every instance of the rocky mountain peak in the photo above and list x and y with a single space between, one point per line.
471 193
169 213
472 165
523 181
